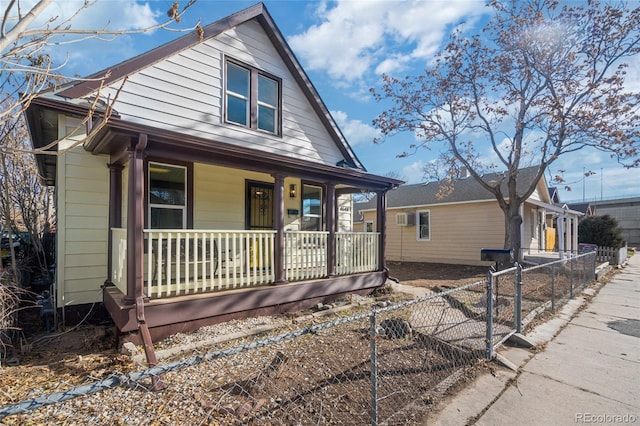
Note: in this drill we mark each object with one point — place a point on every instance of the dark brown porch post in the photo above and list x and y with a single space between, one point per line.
381 213
115 212
331 227
135 220
278 224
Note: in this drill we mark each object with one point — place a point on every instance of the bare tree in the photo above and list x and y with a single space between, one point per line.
541 81
364 196
26 70
26 67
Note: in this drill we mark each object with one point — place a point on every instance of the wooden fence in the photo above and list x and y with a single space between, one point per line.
615 256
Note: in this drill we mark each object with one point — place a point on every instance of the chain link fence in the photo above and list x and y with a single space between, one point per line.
519 294
385 364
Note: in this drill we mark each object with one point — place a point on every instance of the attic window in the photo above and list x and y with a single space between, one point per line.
253 98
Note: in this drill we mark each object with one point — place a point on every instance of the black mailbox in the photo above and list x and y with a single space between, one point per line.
501 256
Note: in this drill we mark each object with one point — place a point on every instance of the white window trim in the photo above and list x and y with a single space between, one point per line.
313 215
253 103
418 225
169 206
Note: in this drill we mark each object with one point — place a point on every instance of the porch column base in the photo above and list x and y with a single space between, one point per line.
132 300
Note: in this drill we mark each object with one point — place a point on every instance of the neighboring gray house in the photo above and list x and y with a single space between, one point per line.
627 212
584 208
423 227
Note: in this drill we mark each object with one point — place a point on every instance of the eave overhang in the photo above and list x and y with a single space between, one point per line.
115 138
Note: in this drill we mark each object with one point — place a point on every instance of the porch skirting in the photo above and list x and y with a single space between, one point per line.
187 313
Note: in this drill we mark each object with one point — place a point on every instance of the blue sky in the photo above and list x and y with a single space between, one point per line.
344 47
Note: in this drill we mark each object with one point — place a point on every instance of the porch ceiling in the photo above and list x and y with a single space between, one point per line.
117 137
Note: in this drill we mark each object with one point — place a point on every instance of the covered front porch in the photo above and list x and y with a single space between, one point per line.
252 233
198 277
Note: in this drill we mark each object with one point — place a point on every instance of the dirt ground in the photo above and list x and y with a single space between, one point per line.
435 274
44 360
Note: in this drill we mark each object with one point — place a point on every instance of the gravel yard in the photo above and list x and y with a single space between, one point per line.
276 384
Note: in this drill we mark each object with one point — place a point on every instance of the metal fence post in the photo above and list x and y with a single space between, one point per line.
518 307
571 278
553 288
489 339
374 371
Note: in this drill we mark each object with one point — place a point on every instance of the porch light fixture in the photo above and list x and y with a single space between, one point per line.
292 190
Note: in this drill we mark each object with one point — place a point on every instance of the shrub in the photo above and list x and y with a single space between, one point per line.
601 230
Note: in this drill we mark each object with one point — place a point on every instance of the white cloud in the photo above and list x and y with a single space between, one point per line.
89 54
355 131
111 15
354 37
414 172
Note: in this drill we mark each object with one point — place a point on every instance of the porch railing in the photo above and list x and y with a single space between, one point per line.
179 261
119 258
192 261
356 252
305 255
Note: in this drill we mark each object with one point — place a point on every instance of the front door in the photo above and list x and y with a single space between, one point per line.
259 205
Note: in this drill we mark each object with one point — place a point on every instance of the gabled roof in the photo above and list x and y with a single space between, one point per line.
464 190
580 207
257 12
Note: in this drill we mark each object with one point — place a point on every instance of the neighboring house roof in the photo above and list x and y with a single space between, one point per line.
464 190
580 207
72 98
554 195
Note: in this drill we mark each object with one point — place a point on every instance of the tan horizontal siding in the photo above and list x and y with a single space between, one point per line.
219 193
82 226
458 233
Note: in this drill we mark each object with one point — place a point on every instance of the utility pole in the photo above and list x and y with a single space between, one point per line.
584 177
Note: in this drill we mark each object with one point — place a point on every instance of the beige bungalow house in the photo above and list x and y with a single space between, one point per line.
422 227
220 186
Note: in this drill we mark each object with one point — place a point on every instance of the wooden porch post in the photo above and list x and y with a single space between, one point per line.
115 212
278 224
135 220
381 215
331 227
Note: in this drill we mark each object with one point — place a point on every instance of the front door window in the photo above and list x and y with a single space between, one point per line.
260 205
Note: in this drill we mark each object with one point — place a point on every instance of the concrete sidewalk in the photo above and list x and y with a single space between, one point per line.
588 372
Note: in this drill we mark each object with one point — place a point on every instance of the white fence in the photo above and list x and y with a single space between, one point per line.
615 256
179 261
356 252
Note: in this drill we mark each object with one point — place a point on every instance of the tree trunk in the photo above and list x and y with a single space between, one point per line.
513 230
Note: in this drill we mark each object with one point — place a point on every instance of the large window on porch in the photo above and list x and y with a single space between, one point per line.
167 196
311 208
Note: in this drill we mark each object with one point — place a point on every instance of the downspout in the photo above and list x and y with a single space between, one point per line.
135 252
